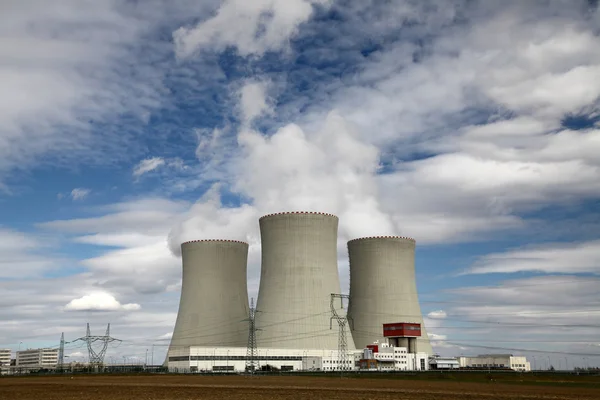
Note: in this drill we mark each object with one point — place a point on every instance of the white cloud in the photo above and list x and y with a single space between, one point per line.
253 100
329 170
99 301
166 336
558 312
25 255
61 78
80 193
252 27
147 165
142 262
549 258
438 314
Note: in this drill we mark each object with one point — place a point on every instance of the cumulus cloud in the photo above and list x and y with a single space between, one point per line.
437 314
147 165
253 100
328 171
252 27
80 193
549 258
99 301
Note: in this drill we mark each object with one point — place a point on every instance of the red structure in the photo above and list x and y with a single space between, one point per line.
373 347
401 329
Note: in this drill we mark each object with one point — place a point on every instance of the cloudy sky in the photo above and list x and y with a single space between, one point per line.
128 127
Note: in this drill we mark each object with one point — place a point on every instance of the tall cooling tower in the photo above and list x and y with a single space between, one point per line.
298 274
383 288
214 295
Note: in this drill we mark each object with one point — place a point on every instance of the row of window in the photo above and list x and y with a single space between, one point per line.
488 365
234 358
402 327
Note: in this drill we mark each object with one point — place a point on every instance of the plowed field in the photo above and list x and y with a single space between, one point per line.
179 387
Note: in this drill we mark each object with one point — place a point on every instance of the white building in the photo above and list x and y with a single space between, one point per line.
443 363
217 359
390 358
37 358
233 359
4 360
488 361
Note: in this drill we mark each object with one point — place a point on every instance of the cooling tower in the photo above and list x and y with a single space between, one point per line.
214 295
383 288
298 274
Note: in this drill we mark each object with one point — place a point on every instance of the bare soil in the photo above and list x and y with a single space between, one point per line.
180 387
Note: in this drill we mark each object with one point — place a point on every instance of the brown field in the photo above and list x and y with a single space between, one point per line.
180 387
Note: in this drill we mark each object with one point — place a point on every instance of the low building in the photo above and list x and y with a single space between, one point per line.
443 363
496 361
37 359
5 360
392 358
234 359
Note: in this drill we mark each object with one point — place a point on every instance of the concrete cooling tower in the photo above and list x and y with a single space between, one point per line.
298 274
214 295
383 288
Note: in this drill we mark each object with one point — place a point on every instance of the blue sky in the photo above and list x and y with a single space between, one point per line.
127 128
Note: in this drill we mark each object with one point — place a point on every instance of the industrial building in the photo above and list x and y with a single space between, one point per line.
213 307
443 363
387 357
37 359
294 326
381 357
5 355
496 361
383 289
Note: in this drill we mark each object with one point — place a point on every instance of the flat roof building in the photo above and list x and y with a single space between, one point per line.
4 359
496 361
37 358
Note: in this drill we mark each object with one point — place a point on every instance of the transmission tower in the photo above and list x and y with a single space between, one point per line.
61 351
97 357
251 352
342 321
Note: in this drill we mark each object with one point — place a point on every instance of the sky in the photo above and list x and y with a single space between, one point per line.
129 127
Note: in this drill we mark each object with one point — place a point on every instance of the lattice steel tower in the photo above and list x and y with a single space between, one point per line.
251 352
342 321
97 357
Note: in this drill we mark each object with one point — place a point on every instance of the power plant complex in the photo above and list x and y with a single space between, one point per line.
300 321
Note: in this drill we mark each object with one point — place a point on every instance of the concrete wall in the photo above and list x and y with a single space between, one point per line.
383 288
298 274
214 295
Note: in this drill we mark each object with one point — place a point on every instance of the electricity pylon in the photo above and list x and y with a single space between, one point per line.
97 357
252 351
342 321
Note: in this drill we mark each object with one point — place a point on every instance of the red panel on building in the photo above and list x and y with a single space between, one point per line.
402 329
373 347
